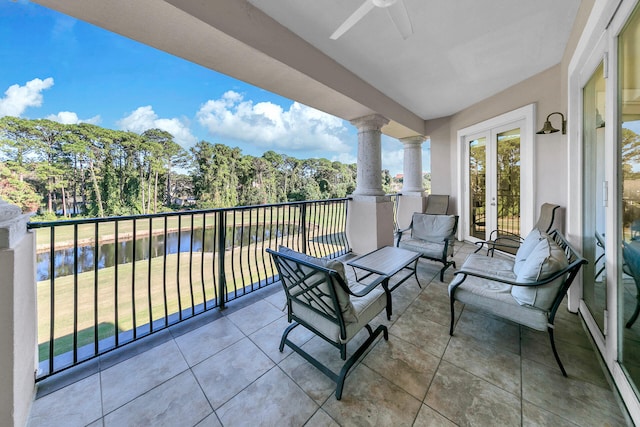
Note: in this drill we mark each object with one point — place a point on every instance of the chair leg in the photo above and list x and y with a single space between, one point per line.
555 352
635 313
285 333
354 358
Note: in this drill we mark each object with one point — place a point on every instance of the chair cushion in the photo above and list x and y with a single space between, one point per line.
425 248
434 228
546 259
529 244
346 307
365 309
494 297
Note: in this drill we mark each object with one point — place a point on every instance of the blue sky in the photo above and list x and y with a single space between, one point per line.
56 67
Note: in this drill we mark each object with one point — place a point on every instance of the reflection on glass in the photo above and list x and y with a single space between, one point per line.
508 191
594 277
629 195
477 186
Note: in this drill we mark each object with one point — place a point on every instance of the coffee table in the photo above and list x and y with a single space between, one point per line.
388 261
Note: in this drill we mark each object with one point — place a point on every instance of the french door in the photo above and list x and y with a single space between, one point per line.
496 182
493 181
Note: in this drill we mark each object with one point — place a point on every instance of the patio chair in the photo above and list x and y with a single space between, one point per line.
631 256
505 241
322 300
432 236
437 204
527 290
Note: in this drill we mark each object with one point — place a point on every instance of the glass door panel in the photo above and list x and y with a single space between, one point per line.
628 224
478 187
508 181
594 276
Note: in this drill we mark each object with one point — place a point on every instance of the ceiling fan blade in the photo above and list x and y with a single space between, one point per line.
351 20
400 17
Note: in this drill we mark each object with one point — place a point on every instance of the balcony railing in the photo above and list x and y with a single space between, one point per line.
106 282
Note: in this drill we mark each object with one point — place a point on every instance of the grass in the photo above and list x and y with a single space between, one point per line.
187 281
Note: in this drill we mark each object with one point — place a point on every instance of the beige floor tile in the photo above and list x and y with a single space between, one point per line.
579 362
75 405
427 417
404 364
369 399
532 416
577 401
273 400
414 327
316 384
131 378
211 421
469 400
179 401
226 373
208 340
488 331
321 419
500 368
268 338
255 316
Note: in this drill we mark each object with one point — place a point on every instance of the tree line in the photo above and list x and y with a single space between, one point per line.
84 169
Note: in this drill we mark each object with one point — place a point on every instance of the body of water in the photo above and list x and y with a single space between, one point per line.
175 242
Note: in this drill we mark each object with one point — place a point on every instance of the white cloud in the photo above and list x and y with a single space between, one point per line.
144 118
71 118
18 98
268 125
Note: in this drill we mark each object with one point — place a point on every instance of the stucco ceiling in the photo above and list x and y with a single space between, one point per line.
461 51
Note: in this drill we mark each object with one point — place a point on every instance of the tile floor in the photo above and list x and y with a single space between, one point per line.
225 369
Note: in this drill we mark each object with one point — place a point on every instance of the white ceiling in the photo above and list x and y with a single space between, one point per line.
461 51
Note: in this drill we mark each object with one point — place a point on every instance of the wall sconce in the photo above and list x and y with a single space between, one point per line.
547 128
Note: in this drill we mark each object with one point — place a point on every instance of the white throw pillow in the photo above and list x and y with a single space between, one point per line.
529 244
546 259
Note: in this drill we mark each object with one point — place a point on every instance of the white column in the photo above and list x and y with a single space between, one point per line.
369 179
412 180
370 212
412 198
17 316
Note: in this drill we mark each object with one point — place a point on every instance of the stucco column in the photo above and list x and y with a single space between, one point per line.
370 212
369 179
17 316
412 198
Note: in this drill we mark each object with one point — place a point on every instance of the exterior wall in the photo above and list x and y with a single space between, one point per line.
550 150
439 132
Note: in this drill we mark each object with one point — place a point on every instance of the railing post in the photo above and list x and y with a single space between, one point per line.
303 219
222 241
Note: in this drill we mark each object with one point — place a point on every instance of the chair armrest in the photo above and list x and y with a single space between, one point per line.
371 286
399 234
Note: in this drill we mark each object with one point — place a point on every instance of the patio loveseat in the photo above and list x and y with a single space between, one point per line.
527 290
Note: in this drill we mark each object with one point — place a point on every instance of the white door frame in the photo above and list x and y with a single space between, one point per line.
525 118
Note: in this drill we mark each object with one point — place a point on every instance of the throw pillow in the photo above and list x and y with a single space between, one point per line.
546 259
529 244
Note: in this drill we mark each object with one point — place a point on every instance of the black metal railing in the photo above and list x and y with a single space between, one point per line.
106 282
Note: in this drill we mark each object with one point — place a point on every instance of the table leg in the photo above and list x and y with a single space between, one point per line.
415 272
385 286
